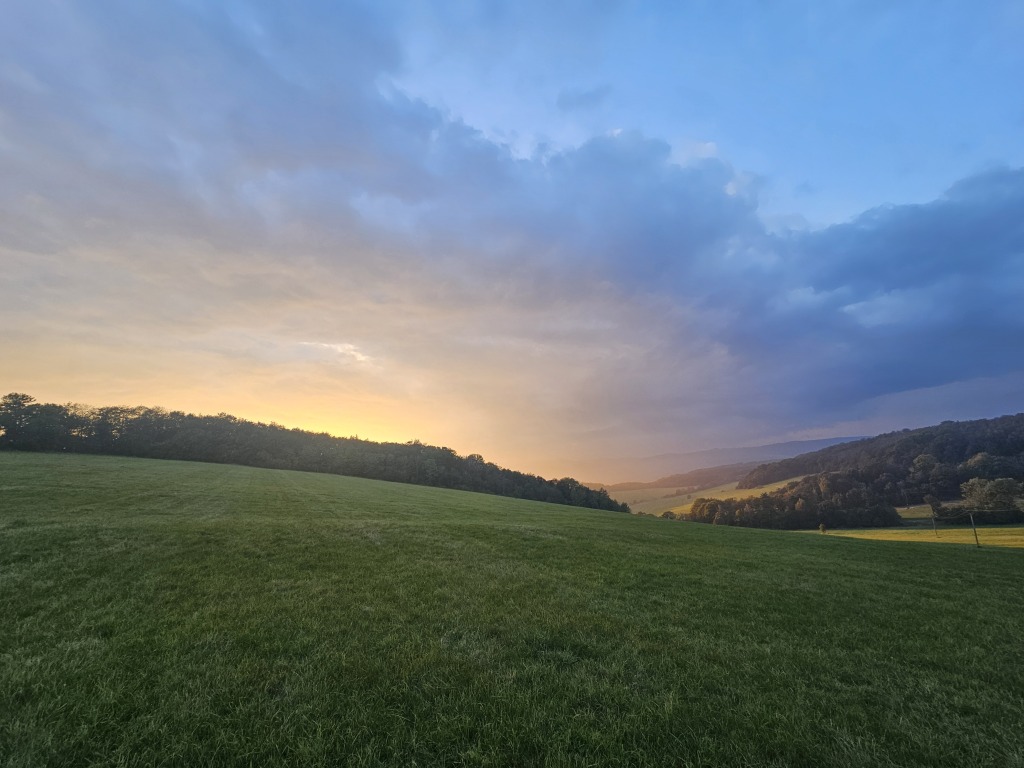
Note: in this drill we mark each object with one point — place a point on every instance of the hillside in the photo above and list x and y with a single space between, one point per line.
998 442
26 425
162 612
859 484
677 503
696 479
628 468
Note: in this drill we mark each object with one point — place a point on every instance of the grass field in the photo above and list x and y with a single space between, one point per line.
916 512
650 501
165 613
988 536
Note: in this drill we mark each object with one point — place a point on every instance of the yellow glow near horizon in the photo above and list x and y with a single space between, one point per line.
89 378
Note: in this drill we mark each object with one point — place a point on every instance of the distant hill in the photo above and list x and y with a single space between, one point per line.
707 477
667 465
26 425
859 484
995 446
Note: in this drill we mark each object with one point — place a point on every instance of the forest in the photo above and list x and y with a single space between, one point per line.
835 499
932 460
978 464
27 425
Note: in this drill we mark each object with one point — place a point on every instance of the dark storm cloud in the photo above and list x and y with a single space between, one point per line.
902 297
969 232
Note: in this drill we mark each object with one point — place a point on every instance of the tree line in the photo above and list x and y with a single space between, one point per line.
978 464
834 499
906 466
989 501
849 500
27 425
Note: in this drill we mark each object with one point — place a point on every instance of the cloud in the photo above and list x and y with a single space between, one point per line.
970 231
204 207
901 298
342 351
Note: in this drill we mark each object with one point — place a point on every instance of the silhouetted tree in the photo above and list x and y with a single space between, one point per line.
15 411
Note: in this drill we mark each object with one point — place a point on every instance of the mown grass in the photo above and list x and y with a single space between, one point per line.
164 613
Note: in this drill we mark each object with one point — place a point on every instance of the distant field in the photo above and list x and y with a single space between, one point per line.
649 501
988 536
922 513
167 613
917 512
657 501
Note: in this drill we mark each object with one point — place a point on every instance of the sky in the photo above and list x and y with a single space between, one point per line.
559 234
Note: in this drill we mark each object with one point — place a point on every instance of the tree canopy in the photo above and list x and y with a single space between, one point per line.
906 466
836 500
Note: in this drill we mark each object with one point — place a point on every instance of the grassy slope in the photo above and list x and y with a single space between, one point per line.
161 613
656 501
648 501
917 512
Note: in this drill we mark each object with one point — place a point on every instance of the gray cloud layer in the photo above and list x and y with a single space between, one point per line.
231 185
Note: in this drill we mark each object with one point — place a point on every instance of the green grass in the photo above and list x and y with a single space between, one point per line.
165 613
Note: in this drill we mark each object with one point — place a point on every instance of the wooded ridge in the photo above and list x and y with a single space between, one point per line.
977 463
156 433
